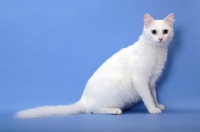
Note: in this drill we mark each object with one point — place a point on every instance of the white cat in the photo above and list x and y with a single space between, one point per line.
125 78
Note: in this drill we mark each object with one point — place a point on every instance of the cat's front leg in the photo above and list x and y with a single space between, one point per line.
153 93
143 90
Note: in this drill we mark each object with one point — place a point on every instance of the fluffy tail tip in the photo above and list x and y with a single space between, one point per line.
23 115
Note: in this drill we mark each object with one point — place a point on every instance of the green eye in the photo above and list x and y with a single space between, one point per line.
165 31
154 32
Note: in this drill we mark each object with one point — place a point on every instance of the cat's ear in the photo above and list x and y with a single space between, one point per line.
170 19
147 20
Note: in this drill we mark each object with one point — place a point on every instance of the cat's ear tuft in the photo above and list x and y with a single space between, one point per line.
170 19
147 20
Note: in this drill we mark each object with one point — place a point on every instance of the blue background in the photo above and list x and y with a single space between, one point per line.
50 48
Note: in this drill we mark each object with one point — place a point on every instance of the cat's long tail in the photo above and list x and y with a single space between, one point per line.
50 111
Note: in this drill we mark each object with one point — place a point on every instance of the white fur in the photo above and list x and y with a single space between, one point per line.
125 78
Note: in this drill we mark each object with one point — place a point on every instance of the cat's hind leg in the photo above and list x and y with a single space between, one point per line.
112 111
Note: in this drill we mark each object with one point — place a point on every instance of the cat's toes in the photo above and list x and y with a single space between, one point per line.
117 112
155 111
160 106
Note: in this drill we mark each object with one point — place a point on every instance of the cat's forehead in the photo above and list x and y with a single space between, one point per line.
160 24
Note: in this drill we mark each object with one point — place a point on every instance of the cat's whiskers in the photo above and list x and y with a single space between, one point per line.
172 45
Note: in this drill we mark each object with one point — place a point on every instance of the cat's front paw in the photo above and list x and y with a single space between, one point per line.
155 111
161 107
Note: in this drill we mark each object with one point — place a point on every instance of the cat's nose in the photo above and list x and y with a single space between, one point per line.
160 39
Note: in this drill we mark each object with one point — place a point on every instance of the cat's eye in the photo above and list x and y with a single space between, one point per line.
165 31
154 32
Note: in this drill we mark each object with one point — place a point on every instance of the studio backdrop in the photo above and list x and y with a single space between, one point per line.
50 48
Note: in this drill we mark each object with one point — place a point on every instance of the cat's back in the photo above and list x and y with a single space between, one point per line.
118 62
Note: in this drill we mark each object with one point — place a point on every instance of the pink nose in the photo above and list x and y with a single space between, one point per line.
160 39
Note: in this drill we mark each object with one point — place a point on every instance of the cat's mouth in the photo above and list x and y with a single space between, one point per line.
160 43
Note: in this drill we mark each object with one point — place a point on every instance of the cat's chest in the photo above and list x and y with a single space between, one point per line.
156 63
150 62
159 62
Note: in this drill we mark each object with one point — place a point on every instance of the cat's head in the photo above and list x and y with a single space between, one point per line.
159 32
